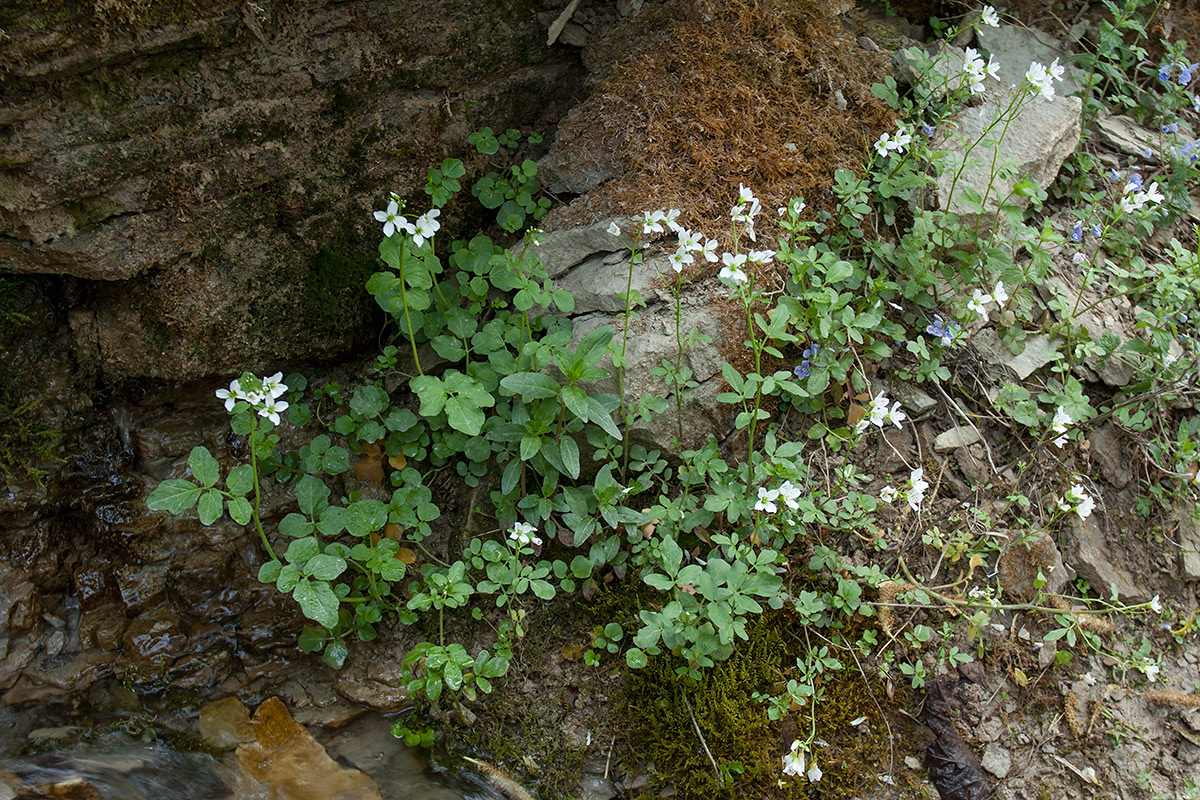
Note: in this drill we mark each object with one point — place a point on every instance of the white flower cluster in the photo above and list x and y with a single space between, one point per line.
1042 78
793 763
265 399
523 533
975 70
893 144
746 210
788 493
1135 198
979 300
1078 500
881 412
1059 425
985 595
421 231
914 495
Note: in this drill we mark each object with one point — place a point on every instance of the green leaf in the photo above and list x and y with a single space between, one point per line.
335 654
462 415
210 508
302 550
575 400
530 445
317 601
569 450
324 567
240 479
452 675
205 468
431 392
530 385
312 494
240 510
269 571
635 658
369 401
174 496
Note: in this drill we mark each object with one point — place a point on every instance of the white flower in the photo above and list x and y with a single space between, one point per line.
887 494
761 256
790 495
614 229
1153 195
393 220
882 410
1151 669
793 762
709 251
690 242
916 489
273 386
1059 425
678 259
1078 500
989 17
814 773
1000 294
903 139
670 217
522 533
795 207
883 146
746 210
232 394
766 500
427 226
652 222
1079 258
732 271
1042 78
978 304
271 409
1156 605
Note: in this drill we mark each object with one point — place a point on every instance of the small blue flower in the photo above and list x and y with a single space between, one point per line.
1185 73
1113 175
1077 233
942 329
1172 128
1135 182
1148 153
1164 72
811 352
928 129
803 370
1097 231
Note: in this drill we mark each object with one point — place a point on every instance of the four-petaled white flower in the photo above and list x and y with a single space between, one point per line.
670 217
271 408
1042 77
761 256
979 302
887 494
522 533
273 386
790 495
732 271
393 220
678 259
793 762
1078 500
989 17
232 394
1059 425
1156 605
427 226
709 251
614 229
795 208
766 500
652 222
1151 669
916 489
1000 294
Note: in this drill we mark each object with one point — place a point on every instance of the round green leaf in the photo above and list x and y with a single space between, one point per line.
210 508
205 468
635 658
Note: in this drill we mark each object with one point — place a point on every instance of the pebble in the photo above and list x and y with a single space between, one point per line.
996 760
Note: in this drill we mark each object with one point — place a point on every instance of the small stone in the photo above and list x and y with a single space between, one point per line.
912 397
596 788
1188 534
1039 351
912 762
989 730
1047 653
955 438
996 760
225 724
1107 446
1094 562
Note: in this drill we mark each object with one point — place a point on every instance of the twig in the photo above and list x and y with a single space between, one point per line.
608 761
703 743
561 22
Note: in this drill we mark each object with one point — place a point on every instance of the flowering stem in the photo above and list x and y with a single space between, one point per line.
633 255
412 339
678 355
1006 117
262 534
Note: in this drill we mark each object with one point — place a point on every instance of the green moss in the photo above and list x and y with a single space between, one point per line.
25 438
335 289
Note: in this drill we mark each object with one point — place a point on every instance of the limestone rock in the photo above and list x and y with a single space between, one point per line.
563 249
1039 351
224 724
1014 47
1021 562
1188 533
599 283
1108 447
996 760
957 437
1093 560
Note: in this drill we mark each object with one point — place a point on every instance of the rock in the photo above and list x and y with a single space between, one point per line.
1108 446
563 249
955 438
152 642
911 396
989 730
1039 351
593 787
1014 48
1094 563
372 678
1126 136
292 765
1038 141
584 154
598 285
224 724
1022 560
1047 654
996 760
1188 532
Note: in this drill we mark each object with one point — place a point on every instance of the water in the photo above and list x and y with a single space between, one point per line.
123 765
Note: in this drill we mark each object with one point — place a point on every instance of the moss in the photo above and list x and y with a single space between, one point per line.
336 282
25 439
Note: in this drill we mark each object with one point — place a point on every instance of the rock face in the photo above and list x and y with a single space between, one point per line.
195 165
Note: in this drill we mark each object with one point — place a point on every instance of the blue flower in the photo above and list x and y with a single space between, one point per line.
803 370
811 352
1172 128
1077 233
928 129
1135 182
1185 73
1148 153
1097 231
942 329
1164 72
1113 175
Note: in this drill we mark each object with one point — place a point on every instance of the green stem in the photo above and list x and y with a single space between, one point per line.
262 534
412 339
621 368
678 355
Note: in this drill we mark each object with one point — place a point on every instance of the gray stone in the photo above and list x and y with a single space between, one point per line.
1094 563
1107 446
912 397
584 154
1126 136
600 286
1189 546
989 730
996 760
1022 560
592 787
955 438
562 250
1014 48
1039 351
1101 318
